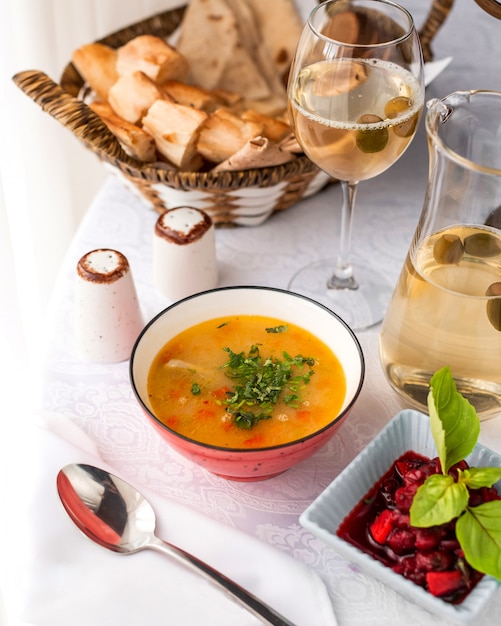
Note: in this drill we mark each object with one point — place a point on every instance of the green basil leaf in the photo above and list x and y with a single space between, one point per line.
479 532
453 420
476 477
437 501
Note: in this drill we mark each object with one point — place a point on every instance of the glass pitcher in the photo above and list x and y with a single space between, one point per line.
446 307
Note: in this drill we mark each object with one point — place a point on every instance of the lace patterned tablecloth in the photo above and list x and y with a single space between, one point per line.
99 398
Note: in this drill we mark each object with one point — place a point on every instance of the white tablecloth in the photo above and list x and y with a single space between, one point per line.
98 399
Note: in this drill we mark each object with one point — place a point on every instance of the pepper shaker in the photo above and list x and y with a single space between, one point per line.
108 315
184 253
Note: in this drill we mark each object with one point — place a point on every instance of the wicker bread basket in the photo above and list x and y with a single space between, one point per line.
245 197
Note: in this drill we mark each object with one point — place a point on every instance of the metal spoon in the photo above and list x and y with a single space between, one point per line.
116 516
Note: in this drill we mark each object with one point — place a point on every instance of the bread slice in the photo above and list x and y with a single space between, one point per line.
175 129
273 128
153 56
224 133
132 95
134 140
192 96
96 63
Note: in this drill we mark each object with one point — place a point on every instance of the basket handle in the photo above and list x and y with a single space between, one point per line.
73 114
436 17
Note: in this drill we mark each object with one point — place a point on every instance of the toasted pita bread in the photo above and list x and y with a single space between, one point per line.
233 64
242 75
134 140
207 37
252 38
280 24
96 63
256 153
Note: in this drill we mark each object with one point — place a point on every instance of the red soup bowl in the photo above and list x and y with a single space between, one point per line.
248 464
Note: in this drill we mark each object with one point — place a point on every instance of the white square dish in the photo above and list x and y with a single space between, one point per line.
408 430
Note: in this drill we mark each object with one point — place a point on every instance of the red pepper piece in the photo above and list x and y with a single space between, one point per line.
382 526
403 466
444 583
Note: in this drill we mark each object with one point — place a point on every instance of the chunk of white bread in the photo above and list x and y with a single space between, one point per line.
193 96
133 94
153 56
273 128
175 128
96 63
134 140
224 133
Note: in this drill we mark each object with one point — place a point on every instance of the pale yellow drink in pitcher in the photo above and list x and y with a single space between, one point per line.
446 310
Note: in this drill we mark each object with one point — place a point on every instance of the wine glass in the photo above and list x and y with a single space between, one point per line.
355 96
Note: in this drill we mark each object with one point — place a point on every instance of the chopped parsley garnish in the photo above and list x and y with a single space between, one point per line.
277 329
260 382
195 389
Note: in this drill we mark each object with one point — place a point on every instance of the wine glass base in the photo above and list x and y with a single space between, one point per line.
360 308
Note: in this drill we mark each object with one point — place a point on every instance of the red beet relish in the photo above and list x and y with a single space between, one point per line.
431 557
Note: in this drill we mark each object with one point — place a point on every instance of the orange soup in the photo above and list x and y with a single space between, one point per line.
246 382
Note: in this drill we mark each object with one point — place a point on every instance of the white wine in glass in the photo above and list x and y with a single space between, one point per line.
356 94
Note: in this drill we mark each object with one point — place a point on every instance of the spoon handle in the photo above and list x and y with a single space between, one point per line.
255 606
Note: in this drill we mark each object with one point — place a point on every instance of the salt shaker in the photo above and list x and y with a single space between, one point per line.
108 316
184 253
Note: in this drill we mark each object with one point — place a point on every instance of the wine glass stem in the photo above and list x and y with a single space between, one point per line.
343 274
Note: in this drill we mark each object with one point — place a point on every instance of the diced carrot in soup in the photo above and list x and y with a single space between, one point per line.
203 398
